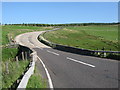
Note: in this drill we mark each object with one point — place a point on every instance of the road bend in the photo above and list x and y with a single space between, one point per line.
68 70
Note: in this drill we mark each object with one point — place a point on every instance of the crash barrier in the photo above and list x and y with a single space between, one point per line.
26 76
97 53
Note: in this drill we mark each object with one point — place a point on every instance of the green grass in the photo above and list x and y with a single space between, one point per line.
36 81
8 54
10 31
87 37
14 72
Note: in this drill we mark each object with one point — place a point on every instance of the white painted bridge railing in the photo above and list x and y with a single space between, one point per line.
27 75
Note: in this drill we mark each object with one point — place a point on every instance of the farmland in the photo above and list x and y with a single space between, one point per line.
10 31
93 37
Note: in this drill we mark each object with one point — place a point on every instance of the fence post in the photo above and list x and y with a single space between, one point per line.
7 68
17 61
23 56
29 53
26 55
9 59
16 58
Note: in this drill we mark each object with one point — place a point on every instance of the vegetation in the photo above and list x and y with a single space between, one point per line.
10 31
84 35
62 25
11 69
9 53
36 81
94 37
13 72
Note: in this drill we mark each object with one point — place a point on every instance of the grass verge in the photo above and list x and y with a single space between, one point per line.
36 81
87 37
11 69
13 72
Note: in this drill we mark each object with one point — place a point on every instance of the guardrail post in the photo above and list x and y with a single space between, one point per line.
29 53
104 54
26 55
23 56
98 53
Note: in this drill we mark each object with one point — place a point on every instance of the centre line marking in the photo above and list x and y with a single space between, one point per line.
80 62
48 75
34 45
39 47
30 43
53 53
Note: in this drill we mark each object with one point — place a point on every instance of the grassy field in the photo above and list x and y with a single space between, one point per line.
8 54
10 31
87 37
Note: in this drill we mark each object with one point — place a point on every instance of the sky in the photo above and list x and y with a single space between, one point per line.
60 0
59 12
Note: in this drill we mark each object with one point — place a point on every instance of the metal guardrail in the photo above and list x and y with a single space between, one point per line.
106 51
55 45
103 53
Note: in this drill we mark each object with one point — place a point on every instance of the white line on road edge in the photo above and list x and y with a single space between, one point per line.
48 75
53 53
80 62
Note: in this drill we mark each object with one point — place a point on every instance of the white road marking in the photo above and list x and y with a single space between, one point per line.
80 62
48 75
35 46
30 43
39 47
53 53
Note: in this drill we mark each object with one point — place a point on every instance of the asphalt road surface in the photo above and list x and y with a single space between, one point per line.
67 70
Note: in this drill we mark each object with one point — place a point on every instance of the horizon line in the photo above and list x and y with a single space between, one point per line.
62 23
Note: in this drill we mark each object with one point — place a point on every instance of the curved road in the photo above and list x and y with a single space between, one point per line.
69 70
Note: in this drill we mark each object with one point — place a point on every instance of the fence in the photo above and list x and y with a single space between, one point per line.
30 71
24 53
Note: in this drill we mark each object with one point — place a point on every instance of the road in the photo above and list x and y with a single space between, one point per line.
68 70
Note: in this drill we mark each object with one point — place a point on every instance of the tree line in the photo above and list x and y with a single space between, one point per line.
63 25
